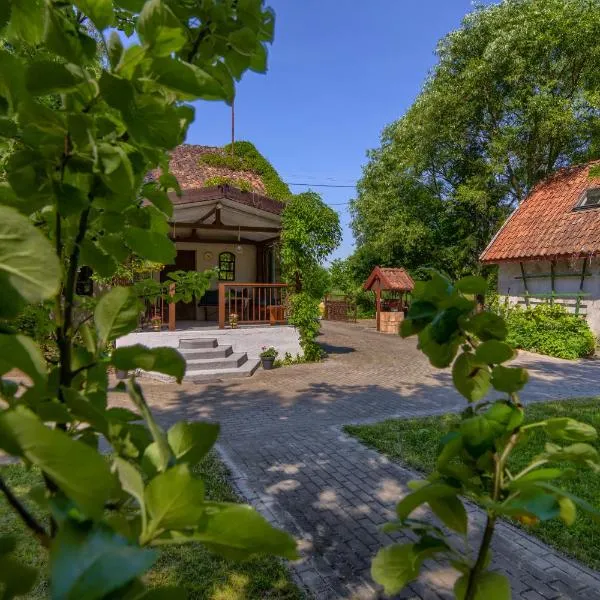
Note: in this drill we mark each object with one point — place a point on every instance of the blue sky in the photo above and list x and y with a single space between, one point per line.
336 78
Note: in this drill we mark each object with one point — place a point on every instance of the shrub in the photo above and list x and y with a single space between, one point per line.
549 329
304 315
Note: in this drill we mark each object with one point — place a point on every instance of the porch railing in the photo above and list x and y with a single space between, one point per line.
253 303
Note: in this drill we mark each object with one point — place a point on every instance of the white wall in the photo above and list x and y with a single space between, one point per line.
245 263
509 285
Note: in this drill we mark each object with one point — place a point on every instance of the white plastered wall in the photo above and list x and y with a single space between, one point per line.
511 284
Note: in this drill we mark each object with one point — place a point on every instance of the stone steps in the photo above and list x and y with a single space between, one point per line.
206 360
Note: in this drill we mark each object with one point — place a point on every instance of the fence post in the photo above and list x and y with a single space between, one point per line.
221 306
172 308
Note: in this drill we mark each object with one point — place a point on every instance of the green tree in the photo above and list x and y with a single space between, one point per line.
310 233
72 197
513 97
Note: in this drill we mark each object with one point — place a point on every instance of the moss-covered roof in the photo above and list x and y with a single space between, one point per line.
246 169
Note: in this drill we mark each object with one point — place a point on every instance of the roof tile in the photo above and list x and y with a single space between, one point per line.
545 225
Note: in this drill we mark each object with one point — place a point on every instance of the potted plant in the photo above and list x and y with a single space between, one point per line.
267 357
233 320
156 322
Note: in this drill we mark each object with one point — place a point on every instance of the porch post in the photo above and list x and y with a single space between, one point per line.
172 308
221 306
378 305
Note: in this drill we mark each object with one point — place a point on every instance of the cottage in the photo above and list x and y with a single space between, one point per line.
548 250
234 231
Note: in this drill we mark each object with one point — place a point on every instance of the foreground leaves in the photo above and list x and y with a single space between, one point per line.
29 270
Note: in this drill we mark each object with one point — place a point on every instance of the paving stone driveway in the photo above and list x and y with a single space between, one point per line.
282 438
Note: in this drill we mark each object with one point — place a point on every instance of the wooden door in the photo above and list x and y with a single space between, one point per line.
184 261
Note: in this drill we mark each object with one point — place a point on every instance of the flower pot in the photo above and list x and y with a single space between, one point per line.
267 363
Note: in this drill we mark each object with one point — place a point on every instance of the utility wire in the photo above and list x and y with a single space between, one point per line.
325 185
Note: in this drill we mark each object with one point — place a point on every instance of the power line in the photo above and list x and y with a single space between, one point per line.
325 185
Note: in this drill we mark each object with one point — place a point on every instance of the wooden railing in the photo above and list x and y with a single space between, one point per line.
253 303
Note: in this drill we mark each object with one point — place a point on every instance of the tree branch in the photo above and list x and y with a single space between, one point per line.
25 515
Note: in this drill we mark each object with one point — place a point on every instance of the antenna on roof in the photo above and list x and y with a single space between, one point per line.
232 124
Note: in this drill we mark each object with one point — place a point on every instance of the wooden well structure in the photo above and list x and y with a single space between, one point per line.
392 288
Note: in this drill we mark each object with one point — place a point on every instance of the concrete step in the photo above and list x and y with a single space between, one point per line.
206 353
233 361
198 343
245 370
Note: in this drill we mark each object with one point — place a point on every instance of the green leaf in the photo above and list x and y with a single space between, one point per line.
506 415
29 269
188 79
115 49
80 472
440 355
190 442
116 314
579 453
237 531
472 284
422 310
162 360
445 325
488 586
21 352
494 352
395 566
533 502
471 377
27 21
16 579
5 10
487 326
99 261
89 561
159 29
47 76
151 245
244 41
100 12
84 410
159 198
117 171
174 500
569 430
568 511
548 474
425 493
130 479
509 379
163 455
478 434
451 512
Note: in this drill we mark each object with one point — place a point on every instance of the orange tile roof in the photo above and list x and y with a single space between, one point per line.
397 280
545 226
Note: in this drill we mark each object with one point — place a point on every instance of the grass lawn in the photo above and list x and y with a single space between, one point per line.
201 573
414 442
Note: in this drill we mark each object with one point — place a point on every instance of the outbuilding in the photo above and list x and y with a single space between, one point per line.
548 249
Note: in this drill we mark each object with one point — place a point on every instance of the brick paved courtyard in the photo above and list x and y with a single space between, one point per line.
281 437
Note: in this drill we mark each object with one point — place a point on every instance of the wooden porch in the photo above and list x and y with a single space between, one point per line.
237 234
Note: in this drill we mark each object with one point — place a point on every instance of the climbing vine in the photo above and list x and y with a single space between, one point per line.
245 157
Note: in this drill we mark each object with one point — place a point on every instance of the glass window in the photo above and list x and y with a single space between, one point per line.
227 266
590 198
